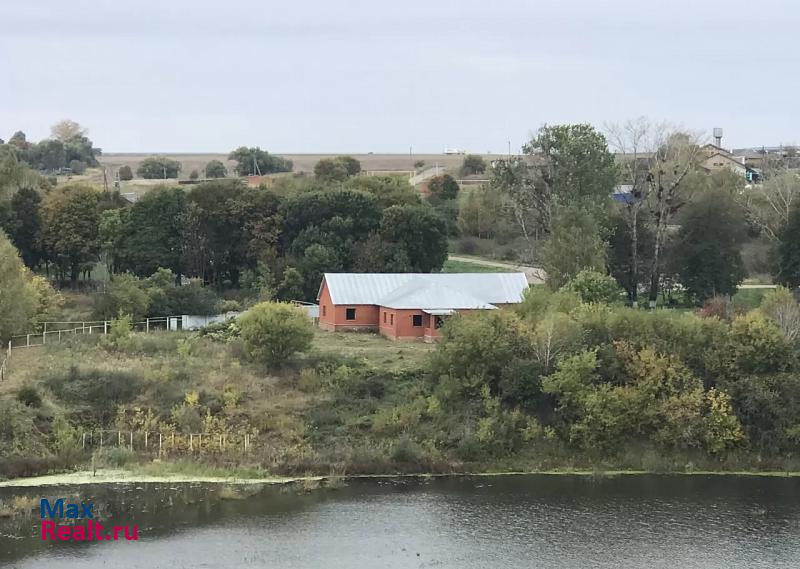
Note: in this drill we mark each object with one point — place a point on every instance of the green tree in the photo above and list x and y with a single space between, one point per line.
158 167
125 173
254 161
337 169
387 190
27 225
50 155
70 222
194 175
707 253
442 188
154 232
291 285
419 233
222 211
272 332
19 299
576 164
575 244
216 169
112 234
629 268
124 295
473 164
789 251
481 213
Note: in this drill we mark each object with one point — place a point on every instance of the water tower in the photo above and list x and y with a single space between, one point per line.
718 137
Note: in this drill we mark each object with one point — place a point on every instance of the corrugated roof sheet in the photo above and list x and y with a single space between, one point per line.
373 288
424 294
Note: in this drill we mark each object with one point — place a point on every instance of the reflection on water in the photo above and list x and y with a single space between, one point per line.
509 521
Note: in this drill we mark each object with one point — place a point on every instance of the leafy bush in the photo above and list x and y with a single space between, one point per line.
593 287
97 392
221 331
273 331
125 173
123 295
29 396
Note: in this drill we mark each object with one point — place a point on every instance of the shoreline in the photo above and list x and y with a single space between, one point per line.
80 478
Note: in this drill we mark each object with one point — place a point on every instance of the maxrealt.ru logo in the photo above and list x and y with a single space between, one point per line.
91 530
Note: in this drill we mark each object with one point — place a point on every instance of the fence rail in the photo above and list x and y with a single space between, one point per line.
57 331
163 443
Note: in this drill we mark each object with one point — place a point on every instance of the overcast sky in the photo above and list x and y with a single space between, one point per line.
359 76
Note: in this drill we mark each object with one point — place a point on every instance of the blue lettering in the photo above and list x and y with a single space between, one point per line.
57 510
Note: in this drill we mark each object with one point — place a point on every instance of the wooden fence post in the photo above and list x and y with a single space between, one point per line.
131 440
83 442
145 440
159 444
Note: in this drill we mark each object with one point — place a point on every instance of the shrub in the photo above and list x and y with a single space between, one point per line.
78 167
273 331
221 331
124 295
114 457
29 396
98 392
125 173
758 346
781 307
594 287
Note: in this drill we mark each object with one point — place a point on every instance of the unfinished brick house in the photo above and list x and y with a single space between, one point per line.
410 306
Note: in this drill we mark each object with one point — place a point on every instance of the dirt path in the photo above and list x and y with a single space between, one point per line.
535 275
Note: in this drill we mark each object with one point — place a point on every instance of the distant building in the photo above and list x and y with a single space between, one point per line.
410 306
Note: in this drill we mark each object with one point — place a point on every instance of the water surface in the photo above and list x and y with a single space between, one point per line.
689 522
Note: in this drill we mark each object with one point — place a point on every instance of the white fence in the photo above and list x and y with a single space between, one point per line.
171 442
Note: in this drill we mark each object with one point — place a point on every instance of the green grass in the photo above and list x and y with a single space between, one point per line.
375 349
451 266
750 298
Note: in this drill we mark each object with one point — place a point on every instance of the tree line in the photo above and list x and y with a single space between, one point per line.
276 242
69 146
648 213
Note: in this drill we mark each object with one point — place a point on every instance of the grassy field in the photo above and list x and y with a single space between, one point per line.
452 266
372 348
302 162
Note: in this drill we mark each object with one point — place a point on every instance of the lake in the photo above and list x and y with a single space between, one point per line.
685 522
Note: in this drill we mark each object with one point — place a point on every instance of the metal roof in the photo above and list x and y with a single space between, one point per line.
375 288
424 294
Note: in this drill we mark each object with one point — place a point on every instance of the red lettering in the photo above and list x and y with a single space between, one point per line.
79 533
135 533
48 528
64 532
97 529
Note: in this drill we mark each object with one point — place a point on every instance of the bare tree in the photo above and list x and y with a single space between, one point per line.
654 160
768 204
